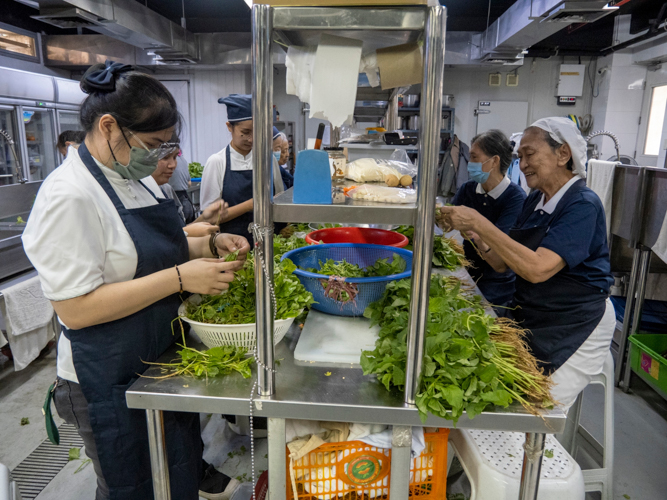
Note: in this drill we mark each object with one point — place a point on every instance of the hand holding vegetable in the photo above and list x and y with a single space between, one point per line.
215 213
460 217
230 243
197 229
208 276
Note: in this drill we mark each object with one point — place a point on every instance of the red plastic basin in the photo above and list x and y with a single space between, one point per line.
357 235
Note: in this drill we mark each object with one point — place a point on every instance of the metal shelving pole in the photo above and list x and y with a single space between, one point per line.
429 149
262 97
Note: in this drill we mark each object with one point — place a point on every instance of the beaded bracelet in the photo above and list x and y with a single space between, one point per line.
180 281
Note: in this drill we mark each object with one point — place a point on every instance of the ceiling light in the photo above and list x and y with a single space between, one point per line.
248 3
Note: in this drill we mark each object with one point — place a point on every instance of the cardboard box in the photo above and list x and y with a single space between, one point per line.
339 3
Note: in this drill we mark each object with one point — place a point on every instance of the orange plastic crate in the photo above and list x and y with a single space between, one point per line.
356 471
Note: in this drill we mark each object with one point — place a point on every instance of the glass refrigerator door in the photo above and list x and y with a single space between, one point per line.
9 154
68 120
40 141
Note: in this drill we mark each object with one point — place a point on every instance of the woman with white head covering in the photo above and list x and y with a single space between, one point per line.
558 250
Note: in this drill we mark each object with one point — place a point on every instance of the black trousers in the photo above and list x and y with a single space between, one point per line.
72 407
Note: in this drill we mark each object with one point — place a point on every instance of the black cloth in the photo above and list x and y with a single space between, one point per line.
562 311
107 358
104 80
497 288
188 207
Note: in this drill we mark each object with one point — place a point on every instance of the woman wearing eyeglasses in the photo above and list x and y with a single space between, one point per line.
112 259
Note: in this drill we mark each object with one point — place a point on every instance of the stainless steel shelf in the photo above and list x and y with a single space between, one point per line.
307 392
352 211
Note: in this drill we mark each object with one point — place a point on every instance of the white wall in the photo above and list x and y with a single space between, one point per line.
538 79
209 132
618 104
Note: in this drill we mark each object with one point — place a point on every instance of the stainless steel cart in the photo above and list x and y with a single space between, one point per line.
304 392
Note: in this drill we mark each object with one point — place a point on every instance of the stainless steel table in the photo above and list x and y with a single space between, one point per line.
306 392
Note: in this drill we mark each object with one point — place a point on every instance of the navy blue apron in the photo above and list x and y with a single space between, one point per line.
108 357
561 312
237 188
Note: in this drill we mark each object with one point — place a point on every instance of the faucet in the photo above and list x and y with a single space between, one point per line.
10 141
608 134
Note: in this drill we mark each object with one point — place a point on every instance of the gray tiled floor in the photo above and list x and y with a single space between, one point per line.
640 437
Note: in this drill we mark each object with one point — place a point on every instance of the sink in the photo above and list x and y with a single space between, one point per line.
13 259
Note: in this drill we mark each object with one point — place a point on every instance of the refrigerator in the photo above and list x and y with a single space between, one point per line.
34 110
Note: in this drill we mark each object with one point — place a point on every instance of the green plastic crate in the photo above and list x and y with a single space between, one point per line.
646 359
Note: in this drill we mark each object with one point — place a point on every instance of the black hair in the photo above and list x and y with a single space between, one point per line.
495 143
76 136
553 144
138 102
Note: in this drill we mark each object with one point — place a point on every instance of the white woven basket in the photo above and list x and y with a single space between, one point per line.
244 335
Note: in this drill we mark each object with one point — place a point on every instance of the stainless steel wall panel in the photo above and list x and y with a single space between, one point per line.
25 85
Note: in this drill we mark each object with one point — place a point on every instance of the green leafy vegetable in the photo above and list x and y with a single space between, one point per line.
232 256
19 220
196 170
74 454
25 421
237 305
472 361
549 453
447 252
83 465
216 361
282 245
382 267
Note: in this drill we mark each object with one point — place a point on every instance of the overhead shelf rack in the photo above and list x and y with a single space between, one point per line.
301 392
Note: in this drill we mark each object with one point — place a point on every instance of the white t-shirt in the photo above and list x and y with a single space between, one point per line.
76 239
213 178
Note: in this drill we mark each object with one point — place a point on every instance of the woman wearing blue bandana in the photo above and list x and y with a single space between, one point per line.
492 194
114 261
228 173
558 250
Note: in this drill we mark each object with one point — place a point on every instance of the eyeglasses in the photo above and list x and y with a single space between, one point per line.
162 151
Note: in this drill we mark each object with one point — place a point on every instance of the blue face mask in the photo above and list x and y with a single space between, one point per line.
276 155
476 173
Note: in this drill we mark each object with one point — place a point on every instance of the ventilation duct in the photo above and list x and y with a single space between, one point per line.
125 20
527 22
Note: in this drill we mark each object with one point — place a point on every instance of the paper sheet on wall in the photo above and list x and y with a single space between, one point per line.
334 84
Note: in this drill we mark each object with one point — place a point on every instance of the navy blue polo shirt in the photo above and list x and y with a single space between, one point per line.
578 234
502 211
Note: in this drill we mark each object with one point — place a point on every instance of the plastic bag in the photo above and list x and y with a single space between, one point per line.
372 170
383 194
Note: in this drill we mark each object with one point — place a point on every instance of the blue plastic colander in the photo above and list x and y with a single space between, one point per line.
364 255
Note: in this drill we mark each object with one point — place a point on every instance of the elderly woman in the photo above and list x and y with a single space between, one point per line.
558 250
491 193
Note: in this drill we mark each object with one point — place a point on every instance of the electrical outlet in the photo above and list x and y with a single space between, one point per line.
495 79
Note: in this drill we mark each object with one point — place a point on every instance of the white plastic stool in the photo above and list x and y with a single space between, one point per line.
601 479
492 460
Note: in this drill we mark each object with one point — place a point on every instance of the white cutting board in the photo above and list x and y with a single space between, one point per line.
327 339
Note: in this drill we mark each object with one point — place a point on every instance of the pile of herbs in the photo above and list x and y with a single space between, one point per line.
216 361
196 170
237 305
343 269
472 360
447 252
282 245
